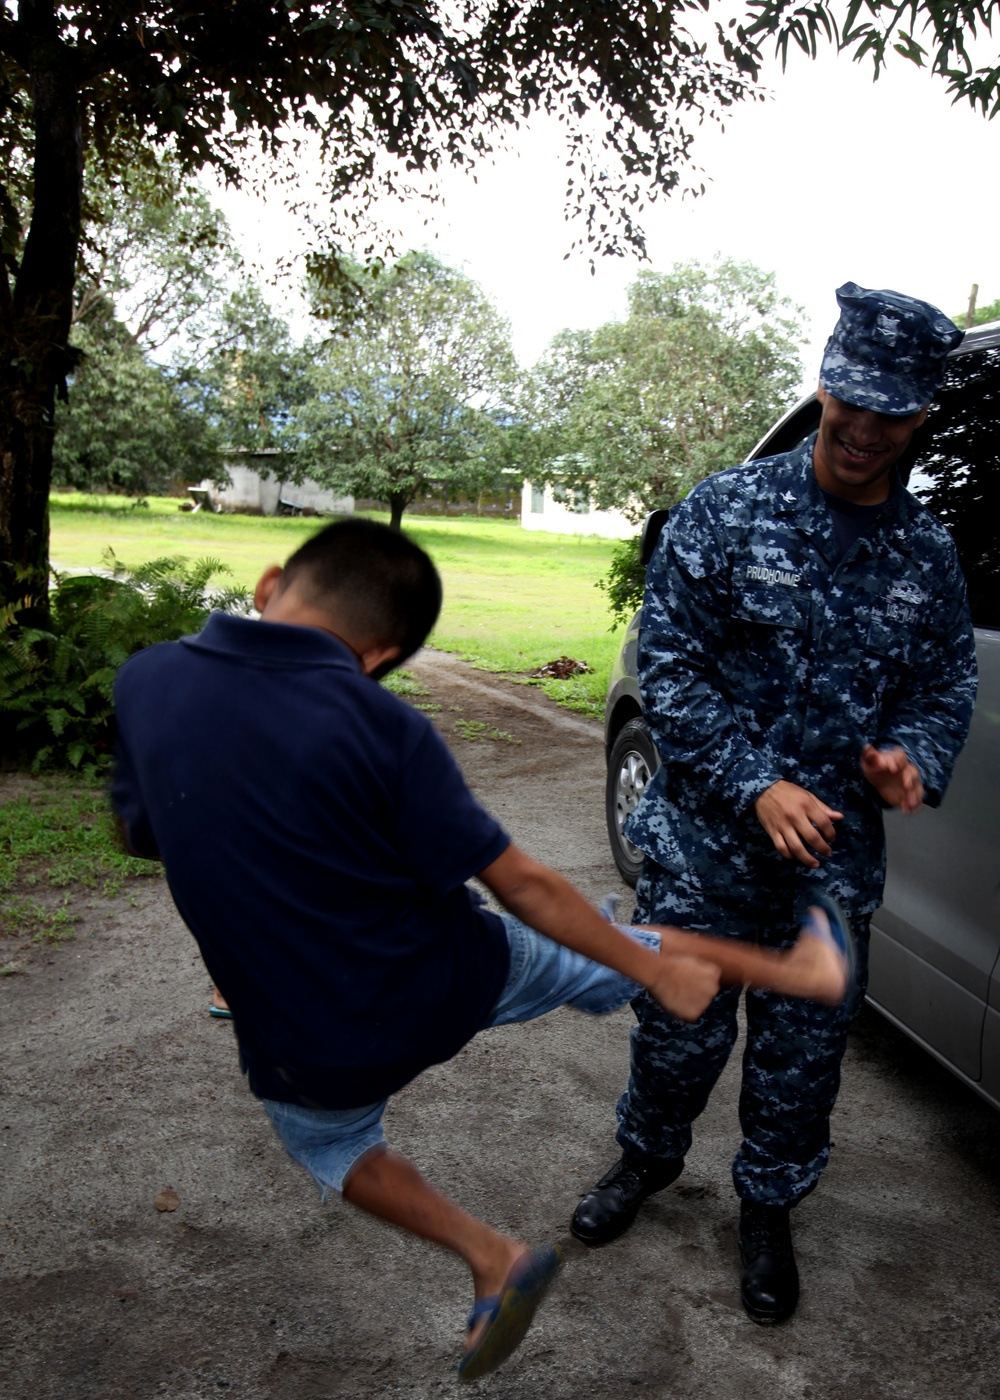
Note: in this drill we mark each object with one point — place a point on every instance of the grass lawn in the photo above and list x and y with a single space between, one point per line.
57 842
513 599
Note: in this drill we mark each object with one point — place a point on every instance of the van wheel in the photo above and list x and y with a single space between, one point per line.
632 762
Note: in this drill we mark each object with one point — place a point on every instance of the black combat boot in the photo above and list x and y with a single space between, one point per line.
607 1210
769 1285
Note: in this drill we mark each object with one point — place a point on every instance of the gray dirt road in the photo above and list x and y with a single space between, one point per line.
115 1084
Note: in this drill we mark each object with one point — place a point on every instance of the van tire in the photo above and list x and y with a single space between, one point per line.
631 764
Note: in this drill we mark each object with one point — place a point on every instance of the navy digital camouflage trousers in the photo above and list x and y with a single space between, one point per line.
791 1063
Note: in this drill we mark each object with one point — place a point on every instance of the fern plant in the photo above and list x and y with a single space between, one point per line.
56 686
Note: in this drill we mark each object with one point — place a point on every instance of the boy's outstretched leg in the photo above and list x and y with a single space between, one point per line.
509 1279
819 967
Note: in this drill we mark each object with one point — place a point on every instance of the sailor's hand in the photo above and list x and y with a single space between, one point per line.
894 776
799 824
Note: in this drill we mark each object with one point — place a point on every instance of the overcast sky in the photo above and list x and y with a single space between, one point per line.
835 179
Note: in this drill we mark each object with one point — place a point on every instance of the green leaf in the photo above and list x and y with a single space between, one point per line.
76 751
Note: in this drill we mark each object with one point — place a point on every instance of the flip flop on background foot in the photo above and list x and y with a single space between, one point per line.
218 1007
510 1312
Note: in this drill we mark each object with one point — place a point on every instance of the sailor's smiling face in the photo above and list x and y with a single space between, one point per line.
856 447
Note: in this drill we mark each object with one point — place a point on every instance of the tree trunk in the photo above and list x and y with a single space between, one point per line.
397 504
34 331
970 315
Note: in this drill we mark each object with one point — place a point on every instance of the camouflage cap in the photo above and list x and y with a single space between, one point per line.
887 351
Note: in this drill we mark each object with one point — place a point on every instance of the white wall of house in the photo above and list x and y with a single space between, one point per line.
566 513
257 487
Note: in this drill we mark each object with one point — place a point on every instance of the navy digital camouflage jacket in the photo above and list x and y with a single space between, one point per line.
761 657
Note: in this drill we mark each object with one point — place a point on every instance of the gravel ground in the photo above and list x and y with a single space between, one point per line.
115 1085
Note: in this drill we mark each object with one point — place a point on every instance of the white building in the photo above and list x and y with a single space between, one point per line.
257 487
565 512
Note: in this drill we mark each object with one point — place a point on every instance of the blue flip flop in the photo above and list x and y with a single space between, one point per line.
510 1312
221 1013
837 931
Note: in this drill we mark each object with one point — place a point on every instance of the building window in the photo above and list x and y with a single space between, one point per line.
537 499
578 501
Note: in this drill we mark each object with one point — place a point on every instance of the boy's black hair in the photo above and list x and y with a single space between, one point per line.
382 583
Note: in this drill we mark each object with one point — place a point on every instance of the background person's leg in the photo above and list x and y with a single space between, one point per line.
219 1007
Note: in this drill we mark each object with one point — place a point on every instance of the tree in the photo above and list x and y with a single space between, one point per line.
640 410
386 87
957 475
409 400
154 257
154 246
157 270
938 34
251 377
127 425
981 316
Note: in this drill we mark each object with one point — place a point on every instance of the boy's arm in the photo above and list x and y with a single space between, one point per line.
544 900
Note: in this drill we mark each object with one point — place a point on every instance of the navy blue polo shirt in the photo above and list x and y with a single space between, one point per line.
316 835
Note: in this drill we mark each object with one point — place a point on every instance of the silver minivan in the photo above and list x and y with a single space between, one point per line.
935 950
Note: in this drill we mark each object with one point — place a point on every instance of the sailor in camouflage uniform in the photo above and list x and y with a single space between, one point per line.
806 658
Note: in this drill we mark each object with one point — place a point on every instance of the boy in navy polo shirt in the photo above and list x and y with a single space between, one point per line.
317 836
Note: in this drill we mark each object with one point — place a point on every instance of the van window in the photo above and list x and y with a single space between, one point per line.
956 473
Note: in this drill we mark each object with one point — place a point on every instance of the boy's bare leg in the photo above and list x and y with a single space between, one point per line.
388 1186
813 968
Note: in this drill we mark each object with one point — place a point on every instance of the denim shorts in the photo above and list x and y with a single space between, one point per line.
542 976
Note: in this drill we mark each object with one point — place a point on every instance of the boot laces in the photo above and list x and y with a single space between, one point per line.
765 1229
621 1174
